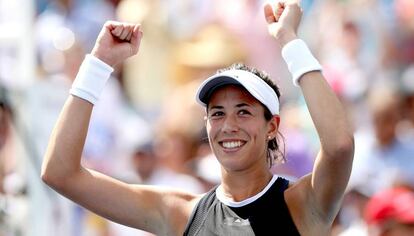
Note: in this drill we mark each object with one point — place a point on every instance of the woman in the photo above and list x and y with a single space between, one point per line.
242 120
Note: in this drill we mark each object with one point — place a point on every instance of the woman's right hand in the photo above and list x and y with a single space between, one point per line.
117 41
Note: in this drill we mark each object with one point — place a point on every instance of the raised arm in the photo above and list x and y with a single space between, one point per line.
141 207
326 185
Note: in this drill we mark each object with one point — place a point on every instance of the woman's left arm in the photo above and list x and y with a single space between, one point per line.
333 164
324 188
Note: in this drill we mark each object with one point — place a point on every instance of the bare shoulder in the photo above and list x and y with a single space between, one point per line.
303 208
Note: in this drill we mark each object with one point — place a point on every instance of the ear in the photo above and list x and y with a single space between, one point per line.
273 126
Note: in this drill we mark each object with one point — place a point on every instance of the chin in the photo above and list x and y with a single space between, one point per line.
232 164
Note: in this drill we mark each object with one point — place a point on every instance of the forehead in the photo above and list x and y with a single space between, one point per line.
231 94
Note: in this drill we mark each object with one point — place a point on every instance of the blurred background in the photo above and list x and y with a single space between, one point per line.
147 128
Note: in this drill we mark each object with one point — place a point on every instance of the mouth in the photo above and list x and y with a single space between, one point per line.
232 145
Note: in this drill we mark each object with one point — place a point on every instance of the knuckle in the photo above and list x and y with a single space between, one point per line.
110 22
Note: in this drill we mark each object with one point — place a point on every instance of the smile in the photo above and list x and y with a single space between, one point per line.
232 144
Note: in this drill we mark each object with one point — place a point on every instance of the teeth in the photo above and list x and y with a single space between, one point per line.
233 144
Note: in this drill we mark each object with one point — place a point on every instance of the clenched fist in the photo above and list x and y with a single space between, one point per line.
117 41
283 20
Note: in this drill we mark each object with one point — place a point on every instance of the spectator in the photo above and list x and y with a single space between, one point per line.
391 213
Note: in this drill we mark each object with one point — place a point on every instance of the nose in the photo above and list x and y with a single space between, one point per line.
230 124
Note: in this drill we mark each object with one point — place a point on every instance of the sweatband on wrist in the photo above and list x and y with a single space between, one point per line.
299 59
91 79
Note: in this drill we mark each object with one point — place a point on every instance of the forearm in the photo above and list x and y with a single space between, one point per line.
328 114
64 151
326 111
116 42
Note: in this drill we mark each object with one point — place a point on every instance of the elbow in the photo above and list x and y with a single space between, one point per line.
49 169
52 177
58 176
345 147
341 147
58 172
48 178
54 181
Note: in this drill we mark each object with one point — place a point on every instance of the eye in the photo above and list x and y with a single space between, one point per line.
216 115
244 112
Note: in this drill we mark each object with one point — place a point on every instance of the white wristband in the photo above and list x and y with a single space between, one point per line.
299 59
91 79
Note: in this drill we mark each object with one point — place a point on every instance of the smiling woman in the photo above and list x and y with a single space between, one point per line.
259 87
237 128
242 123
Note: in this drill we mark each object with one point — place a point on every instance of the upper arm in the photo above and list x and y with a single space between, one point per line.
329 179
138 206
314 200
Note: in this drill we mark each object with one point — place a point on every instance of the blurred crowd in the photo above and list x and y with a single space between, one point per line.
147 128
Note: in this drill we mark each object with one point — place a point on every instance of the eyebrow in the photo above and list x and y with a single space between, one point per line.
242 105
216 107
238 106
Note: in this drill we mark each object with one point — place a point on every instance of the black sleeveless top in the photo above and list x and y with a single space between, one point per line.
267 215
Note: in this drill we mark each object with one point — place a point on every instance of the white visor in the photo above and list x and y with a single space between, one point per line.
256 86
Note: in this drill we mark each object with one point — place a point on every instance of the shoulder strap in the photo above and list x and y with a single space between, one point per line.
200 212
282 184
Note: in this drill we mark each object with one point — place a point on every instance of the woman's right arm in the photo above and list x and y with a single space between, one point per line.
142 207
62 170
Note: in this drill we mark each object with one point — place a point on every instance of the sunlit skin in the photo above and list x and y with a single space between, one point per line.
238 134
238 131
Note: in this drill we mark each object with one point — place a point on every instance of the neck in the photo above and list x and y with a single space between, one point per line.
239 186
